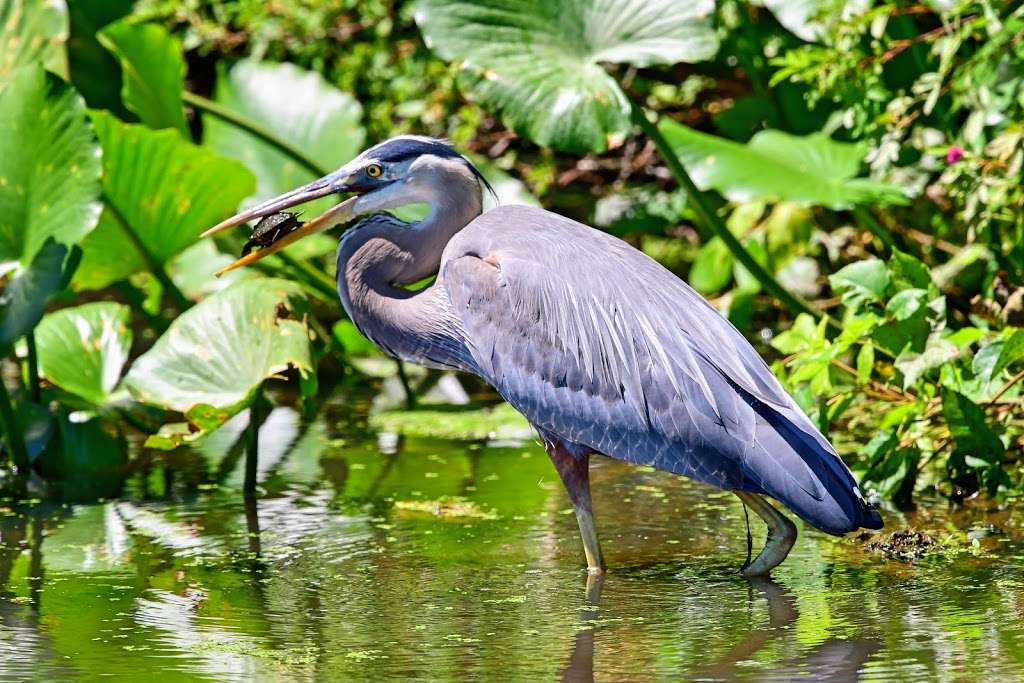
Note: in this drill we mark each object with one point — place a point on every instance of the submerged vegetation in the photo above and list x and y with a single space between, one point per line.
842 179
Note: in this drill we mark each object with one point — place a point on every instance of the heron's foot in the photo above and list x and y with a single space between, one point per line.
781 536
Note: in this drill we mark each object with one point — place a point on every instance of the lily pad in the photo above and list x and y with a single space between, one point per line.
219 352
539 63
153 70
811 170
49 166
498 423
32 32
166 191
83 349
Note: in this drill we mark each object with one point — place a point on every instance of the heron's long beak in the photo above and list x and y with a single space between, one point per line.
329 184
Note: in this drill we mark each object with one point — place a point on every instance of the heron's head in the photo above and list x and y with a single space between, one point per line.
404 170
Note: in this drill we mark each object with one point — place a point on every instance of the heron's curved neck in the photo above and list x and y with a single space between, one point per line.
379 255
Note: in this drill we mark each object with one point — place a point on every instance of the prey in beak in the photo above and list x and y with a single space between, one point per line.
338 182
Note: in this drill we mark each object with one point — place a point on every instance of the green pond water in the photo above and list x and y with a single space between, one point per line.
367 558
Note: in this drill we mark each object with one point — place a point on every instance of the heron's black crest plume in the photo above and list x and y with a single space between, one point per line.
410 146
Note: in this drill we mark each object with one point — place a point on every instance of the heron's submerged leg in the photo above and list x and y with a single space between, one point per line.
575 474
781 535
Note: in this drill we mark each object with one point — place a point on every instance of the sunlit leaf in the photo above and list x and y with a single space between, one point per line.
153 70
712 269
809 170
1010 353
83 349
808 19
166 189
540 63
220 351
23 300
860 280
936 353
49 166
297 106
32 32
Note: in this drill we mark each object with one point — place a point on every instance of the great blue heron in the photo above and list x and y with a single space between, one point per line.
600 347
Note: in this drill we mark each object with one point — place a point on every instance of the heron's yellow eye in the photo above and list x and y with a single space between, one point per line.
374 170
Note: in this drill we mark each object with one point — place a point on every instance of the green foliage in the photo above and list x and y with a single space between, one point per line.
32 32
540 63
161 192
154 72
219 352
49 166
24 299
776 166
83 349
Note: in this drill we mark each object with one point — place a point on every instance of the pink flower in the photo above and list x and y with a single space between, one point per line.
954 154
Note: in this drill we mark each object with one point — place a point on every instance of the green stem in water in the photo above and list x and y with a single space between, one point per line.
15 439
253 128
32 363
252 445
713 221
181 301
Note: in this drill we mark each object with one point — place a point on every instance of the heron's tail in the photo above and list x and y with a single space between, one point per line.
797 466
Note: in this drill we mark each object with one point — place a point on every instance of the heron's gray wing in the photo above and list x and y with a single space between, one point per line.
600 345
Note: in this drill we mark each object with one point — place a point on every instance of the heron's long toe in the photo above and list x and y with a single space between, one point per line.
781 536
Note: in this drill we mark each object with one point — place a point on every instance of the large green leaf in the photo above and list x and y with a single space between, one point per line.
32 32
538 62
220 351
49 166
23 300
300 108
809 19
83 349
94 71
166 189
154 72
809 170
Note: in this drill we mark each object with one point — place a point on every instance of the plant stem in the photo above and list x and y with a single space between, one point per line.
252 445
253 128
874 227
316 278
15 440
181 301
32 362
711 219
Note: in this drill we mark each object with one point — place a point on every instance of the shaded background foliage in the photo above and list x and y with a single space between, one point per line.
866 155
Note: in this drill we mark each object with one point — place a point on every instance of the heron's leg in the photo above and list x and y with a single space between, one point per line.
781 535
575 473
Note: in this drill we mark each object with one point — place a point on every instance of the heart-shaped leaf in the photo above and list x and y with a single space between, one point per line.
220 351
49 166
32 32
812 170
300 108
83 349
94 71
154 72
538 63
24 299
165 191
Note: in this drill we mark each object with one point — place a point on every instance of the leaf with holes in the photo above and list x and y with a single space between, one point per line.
219 352
539 64
153 70
49 166
83 349
165 190
811 170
